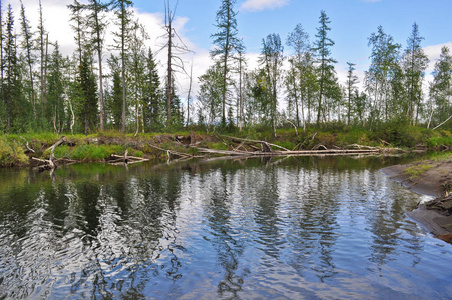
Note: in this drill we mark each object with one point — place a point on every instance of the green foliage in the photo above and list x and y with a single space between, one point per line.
286 144
401 135
11 153
62 151
94 152
436 142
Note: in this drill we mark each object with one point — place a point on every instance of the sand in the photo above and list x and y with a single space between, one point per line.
436 182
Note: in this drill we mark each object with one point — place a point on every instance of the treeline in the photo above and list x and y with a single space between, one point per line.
43 91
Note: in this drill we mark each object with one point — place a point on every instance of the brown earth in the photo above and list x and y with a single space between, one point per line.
435 215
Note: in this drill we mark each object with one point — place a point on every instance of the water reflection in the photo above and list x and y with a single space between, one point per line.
284 227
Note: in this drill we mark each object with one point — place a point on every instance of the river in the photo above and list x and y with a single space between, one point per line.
281 228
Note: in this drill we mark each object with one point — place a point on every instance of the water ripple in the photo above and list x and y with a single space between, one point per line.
293 228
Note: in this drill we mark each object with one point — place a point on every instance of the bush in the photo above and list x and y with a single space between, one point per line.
436 142
11 153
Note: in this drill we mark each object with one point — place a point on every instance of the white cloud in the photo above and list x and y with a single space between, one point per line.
258 5
433 53
56 17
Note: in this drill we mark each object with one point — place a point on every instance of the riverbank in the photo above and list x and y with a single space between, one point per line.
17 150
432 178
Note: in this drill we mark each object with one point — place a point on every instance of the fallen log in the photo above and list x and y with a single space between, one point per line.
170 152
226 152
289 152
126 159
49 164
256 141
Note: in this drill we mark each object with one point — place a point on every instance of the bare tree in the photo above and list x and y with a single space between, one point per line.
175 48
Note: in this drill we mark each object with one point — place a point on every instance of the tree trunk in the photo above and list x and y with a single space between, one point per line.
123 77
169 71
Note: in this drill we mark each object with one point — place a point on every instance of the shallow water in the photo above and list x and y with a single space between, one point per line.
285 228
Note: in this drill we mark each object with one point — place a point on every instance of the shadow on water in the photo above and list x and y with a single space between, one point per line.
291 227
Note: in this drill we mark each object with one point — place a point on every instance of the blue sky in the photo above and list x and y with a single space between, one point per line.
352 22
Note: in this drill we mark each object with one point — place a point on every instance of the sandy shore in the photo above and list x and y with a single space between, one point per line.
435 215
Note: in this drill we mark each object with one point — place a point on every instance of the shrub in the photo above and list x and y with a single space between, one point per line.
11 153
435 142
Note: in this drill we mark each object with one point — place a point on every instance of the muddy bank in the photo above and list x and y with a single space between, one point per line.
434 178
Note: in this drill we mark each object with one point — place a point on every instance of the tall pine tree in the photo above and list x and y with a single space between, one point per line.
326 68
227 44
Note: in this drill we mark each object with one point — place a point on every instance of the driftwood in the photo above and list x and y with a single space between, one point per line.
171 153
267 144
28 146
289 152
49 164
126 159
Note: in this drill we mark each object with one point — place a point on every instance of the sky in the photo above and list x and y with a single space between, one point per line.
352 22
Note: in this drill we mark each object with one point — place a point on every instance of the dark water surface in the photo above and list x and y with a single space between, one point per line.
295 228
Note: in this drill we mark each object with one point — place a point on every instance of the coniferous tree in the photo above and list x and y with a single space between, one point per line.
10 92
352 80
124 19
43 43
322 46
2 66
28 47
79 27
97 24
227 44
415 63
136 70
153 107
87 106
114 103
55 97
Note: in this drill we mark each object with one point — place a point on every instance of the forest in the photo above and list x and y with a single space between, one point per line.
117 87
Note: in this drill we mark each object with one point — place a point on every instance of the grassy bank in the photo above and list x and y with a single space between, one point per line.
16 150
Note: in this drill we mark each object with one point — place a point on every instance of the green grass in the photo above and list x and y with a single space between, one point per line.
95 152
417 170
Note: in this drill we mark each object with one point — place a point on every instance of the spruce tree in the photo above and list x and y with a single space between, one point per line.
227 44
79 27
153 106
10 88
123 21
87 106
352 80
97 24
415 63
28 47
55 96
326 68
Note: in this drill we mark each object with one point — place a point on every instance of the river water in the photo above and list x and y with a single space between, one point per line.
281 228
